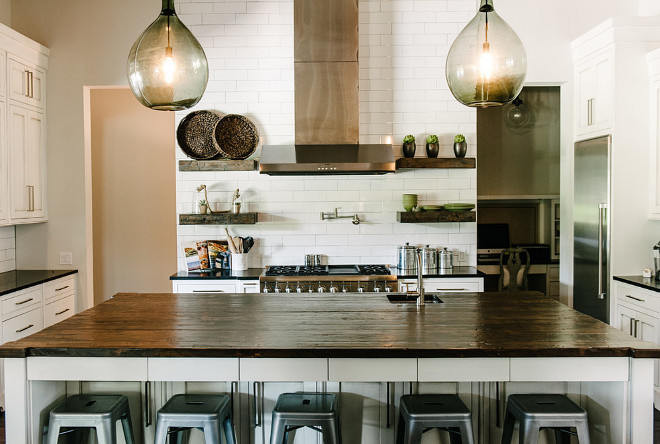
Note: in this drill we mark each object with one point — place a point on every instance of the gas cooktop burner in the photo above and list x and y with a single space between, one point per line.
327 270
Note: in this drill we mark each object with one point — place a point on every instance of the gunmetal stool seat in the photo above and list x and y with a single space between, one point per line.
317 411
535 412
420 413
100 412
209 413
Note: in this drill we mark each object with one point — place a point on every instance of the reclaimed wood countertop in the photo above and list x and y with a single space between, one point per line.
351 325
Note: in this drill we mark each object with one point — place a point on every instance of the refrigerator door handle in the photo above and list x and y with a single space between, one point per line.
601 210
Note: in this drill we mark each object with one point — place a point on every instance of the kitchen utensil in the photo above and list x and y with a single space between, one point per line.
445 259
195 135
407 258
656 261
431 207
429 259
236 136
230 242
248 243
459 206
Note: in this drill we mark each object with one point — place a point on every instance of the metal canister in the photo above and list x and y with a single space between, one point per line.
407 258
445 259
429 259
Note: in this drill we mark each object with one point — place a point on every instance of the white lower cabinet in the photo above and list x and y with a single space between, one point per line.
451 285
638 314
215 286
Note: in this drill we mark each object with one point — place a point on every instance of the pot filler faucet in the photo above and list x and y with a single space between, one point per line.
335 215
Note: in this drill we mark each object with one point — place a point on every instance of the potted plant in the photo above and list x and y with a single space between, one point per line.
203 206
432 146
460 145
409 146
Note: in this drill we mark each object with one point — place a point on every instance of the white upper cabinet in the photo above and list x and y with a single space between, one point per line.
593 93
23 65
654 148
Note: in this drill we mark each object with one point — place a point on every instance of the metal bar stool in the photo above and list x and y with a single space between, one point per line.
209 413
317 411
100 412
535 412
421 413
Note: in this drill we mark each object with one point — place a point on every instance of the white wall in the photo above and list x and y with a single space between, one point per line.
403 45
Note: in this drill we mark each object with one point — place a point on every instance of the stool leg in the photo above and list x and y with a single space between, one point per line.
583 432
399 431
529 433
161 432
212 432
455 436
106 434
128 428
509 424
230 437
277 431
561 437
53 431
330 432
467 436
413 434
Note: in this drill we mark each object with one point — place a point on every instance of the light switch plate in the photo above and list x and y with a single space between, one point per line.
66 258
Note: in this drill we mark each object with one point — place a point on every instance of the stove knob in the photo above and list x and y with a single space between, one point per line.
266 289
311 290
298 288
277 289
376 288
287 289
343 289
360 289
321 289
387 289
333 289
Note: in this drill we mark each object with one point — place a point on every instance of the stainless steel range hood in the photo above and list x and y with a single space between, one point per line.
326 159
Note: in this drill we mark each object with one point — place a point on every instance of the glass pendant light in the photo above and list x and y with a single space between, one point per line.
167 67
486 64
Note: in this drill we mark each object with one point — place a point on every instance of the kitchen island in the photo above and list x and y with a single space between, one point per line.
472 340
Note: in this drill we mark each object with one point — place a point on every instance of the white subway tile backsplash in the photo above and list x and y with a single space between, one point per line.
403 47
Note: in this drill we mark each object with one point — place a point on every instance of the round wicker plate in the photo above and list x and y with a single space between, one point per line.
195 135
236 136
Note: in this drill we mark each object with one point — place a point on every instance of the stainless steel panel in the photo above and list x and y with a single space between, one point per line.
327 105
325 31
590 215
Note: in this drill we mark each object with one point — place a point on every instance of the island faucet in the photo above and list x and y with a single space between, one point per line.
420 279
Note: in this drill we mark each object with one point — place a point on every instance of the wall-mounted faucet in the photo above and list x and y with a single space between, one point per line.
335 215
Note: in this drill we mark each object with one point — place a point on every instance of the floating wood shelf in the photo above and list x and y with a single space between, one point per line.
218 165
218 219
436 162
412 217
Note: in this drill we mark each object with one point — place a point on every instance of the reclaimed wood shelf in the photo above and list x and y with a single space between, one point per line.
218 165
413 217
218 219
436 162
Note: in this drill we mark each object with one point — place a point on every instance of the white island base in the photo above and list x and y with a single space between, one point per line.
617 392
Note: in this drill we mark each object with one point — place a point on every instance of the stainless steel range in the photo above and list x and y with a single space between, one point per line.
327 278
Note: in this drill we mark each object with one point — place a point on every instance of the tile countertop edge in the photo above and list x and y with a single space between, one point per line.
639 281
16 280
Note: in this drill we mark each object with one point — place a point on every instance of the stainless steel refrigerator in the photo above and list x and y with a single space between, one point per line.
591 199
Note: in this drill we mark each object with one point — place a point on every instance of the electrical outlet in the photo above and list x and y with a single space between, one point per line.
66 258
462 256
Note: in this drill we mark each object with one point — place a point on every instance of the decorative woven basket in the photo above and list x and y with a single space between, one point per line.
195 135
236 137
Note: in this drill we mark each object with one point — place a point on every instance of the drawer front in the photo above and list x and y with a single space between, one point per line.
637 297
22 325
20 302
451 286
553 273
59 287
206 288
59 310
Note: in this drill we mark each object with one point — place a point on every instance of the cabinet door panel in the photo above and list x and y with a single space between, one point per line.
17 80
4 183
585 75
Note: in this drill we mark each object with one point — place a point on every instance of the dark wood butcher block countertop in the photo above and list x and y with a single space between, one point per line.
351 325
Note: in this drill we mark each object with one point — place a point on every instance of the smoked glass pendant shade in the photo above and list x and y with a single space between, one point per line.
486 64
167 67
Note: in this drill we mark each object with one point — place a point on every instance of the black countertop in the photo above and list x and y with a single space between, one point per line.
249 274
639 281
454 272
11 281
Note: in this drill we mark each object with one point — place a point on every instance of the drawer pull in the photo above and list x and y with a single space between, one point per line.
62 312
450 289
634 298
208 291
61 288
25 301
24 328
